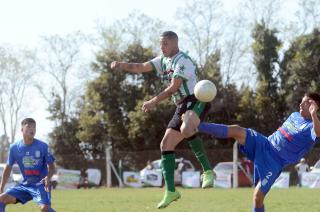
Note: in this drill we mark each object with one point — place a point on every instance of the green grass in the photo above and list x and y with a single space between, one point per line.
193 200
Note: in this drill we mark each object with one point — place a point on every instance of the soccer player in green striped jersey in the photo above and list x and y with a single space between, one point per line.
178 70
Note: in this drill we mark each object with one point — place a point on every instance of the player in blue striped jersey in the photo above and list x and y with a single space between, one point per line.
287 145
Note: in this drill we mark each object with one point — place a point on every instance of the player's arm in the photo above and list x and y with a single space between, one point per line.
5 176
166 93
47 179
169 91
51 170
316 125
315 119
135 68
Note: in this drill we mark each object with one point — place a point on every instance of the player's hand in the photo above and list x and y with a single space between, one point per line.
115 65
313 107
47 183
148 105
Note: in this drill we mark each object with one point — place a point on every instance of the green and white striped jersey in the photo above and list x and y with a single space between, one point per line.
179 66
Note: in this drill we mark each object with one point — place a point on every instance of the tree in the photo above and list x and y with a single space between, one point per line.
267 100
225 105
135 28
60 84
60 63
247 114
209 29
15 76
300 68
4 148
67 148
267 10
308 16
235 50
201 24
110 98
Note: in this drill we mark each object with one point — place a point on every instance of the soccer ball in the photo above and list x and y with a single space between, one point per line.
205 91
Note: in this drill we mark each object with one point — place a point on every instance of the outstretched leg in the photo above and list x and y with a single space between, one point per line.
224 131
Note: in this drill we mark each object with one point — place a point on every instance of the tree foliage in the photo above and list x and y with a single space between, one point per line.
112 105
301 68
266 59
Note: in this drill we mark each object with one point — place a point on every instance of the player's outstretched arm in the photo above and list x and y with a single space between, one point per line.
5 176
135 68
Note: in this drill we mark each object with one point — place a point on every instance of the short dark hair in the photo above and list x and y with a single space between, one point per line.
28 121
314 96
170 35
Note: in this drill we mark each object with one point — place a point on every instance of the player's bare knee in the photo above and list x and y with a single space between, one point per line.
161 146
45 208
190 124
6 199
2 198
164 146
237 132
234 129
187 131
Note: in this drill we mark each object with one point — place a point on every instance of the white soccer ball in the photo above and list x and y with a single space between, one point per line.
205 91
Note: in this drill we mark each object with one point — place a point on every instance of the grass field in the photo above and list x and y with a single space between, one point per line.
193 200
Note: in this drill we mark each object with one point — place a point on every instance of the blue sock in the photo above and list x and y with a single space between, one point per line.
258 209
217 130
2 207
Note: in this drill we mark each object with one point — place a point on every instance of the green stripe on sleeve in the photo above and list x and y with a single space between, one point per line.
162 64
176 60
185 86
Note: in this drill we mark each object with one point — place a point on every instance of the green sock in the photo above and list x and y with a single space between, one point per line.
197 148
167 166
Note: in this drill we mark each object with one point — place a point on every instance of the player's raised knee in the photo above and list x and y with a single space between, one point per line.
190 123
188 131
46 208
6 199
237 132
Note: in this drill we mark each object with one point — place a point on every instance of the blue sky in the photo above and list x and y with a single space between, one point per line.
23 22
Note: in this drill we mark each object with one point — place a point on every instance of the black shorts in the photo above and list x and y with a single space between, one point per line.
188 103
